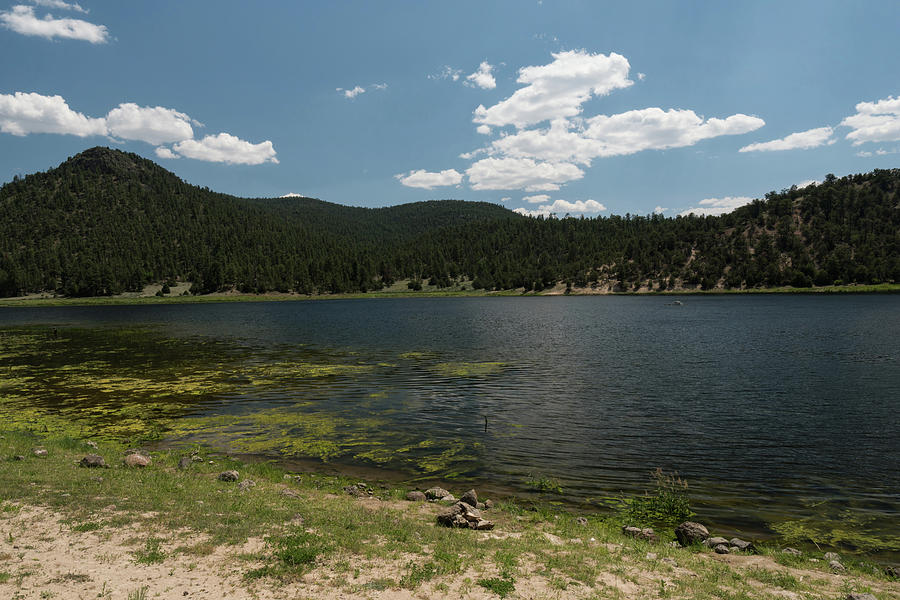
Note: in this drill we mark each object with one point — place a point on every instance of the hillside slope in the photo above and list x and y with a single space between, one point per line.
107 221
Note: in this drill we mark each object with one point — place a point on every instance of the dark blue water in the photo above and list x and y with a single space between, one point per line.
765 404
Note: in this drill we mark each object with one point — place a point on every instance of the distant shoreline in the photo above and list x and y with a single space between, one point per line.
34 300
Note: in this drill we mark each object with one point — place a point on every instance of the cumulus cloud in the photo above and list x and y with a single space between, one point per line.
227 148
802 140
875 122
22 19
716 206
520 173
482 77
163 152
483 130
557 89
426 180
579 207
807 183
505 199
659 210
154 125
25 113
291 195
59 4
620 134
536 199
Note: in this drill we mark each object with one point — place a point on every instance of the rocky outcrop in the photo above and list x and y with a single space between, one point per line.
436 493
464 516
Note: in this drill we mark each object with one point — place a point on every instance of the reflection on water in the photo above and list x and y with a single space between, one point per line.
778 410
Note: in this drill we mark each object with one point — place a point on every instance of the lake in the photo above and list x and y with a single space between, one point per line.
781 411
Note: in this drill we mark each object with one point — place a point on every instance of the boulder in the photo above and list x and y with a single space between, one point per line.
832 556
137 461
185 462
231 475
39 451
470 498
690 532
416 496
436 493
488 504
246 485
836 566
721 549
448 498
92 461
714 541
581 521
741 545
792 552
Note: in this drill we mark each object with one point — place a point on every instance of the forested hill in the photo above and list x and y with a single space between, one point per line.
107 221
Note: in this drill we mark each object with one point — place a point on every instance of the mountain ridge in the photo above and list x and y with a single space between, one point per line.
106 221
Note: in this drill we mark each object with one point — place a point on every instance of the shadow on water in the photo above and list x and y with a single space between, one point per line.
780 412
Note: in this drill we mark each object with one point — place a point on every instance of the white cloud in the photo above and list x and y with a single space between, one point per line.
875 122
447 72
163 152
25 113
807 183
482 77
22 19
620 134
291 195
717 206
562 207
802 140
379 86
505 199
483 130
228 149
536 199
59 4
558 89
352 93
641 76
154 125
659 210
521 173
426 180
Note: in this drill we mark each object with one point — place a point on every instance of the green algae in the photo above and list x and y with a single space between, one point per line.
468 369
418 355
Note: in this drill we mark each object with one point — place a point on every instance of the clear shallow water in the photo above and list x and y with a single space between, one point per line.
776 409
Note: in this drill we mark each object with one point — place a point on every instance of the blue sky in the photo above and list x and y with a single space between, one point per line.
573 107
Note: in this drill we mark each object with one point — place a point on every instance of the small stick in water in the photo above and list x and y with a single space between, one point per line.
485 423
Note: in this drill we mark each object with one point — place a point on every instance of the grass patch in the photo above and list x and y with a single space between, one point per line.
151 553
779 579
501 586
87 526
544 485
668 504
4 576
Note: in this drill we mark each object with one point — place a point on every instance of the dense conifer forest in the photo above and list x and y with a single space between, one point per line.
106 221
